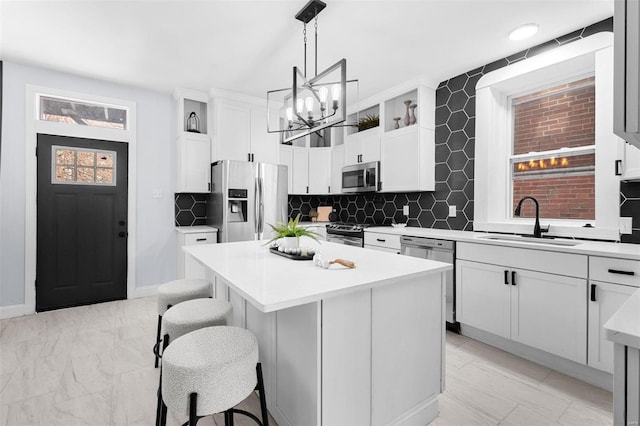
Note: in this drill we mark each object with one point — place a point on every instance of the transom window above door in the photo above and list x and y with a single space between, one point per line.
79 166
83 113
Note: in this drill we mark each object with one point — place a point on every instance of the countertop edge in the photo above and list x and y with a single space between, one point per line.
620 327
593 248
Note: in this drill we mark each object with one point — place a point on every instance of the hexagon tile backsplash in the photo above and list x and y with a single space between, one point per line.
454 156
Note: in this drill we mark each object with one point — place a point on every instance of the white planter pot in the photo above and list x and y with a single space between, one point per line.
289 242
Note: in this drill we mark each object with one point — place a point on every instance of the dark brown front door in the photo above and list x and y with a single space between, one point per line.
82 221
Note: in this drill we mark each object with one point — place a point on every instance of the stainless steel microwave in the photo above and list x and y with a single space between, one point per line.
361 177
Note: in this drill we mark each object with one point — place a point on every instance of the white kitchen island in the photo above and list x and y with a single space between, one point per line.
339 346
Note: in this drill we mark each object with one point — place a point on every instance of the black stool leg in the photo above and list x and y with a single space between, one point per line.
158 339
193 401
161 411
263 400
228 418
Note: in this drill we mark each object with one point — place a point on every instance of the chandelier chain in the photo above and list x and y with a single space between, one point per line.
315 23
304 34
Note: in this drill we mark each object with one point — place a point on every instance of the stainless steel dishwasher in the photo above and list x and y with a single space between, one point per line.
442 251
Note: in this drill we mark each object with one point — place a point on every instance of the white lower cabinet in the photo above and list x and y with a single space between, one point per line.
187 267
382 242
604 300
547 311
482 299
612 281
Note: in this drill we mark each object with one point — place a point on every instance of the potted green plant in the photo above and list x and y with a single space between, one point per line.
369 121
290 233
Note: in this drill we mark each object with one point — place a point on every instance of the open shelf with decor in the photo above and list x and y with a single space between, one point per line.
400 111
365 119
193 141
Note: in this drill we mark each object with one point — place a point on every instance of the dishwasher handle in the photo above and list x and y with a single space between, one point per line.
406 240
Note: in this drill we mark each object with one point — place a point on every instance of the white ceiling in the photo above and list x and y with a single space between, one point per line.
250 46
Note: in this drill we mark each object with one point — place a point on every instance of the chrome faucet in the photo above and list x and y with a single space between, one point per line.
537 231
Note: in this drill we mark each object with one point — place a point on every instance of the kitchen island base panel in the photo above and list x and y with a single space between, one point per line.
367 357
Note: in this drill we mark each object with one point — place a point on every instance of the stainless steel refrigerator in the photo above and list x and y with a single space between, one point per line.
245 198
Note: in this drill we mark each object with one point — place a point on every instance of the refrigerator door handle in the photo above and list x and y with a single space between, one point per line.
256 207
260 208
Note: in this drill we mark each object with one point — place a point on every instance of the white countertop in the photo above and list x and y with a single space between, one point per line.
195 229
624 326
593 248
271 282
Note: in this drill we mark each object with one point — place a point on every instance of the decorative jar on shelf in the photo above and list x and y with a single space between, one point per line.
193 123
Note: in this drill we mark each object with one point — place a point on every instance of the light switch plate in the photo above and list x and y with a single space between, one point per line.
625 225
452 211
405 210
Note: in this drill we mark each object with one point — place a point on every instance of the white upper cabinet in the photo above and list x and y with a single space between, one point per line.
407 153
320 170
193 142
626 23
240 132
628 167
337 163
362 141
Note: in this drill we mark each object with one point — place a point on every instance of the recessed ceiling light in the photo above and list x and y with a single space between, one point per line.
523 31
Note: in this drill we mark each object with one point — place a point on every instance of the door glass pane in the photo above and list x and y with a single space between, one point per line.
71 165
82 113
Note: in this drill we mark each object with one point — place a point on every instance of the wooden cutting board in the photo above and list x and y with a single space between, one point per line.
323 213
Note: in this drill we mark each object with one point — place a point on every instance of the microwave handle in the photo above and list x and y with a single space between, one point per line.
365 176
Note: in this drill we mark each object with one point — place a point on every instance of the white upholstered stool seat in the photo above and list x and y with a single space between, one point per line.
172 293
194 314
211 370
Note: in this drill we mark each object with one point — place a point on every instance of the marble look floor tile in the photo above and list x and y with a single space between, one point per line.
4 379
455 339
31 411
523 416
568 387
134 396
34 378
454 412
491 405
505 362
582 415
88 410
529 395
456 358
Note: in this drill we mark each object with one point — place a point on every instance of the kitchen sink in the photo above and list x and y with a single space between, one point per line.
523 239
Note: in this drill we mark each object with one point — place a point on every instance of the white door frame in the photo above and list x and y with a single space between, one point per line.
35 126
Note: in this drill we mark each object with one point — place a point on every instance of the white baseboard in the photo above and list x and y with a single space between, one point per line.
12 311
145 291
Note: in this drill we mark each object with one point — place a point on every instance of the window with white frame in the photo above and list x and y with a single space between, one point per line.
84 113
553 152
544 129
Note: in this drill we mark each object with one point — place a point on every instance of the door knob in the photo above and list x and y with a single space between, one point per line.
122 234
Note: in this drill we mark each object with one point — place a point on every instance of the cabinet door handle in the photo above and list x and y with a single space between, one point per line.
593 293
513 277
620 272
248 156
307 189
618 166
506 277
201 239
381 240
329 189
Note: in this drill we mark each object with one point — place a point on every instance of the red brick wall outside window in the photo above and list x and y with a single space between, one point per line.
559 117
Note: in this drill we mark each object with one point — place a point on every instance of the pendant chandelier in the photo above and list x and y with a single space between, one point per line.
310 104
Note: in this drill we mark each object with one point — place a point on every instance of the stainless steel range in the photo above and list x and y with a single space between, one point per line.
346 233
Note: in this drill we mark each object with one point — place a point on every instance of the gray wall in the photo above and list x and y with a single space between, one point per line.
155 257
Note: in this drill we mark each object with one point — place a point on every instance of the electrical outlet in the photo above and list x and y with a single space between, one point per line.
405 210
156 193
625 225
452 211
